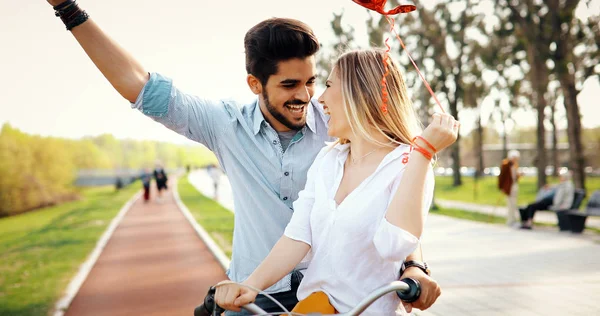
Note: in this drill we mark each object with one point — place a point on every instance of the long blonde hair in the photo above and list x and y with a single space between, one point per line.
360 73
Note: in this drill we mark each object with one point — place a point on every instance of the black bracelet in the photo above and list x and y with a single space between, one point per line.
77 20
63 5
70 13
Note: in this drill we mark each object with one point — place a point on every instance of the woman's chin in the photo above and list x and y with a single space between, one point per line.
332 131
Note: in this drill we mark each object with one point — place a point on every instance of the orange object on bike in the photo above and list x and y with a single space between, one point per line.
317 302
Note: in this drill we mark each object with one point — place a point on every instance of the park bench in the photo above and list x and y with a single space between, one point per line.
564 223
577 218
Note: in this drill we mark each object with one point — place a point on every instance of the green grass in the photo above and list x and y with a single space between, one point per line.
41 251
472 216
485 190
487 218
214 218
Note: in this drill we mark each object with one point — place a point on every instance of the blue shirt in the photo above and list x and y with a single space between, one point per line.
265 179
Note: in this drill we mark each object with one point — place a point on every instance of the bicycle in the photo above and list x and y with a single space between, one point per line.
408 290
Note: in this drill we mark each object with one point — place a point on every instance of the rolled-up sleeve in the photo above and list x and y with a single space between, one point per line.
198 119
299 226
394 243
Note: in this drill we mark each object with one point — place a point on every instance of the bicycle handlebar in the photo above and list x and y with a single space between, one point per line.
210 308
408 290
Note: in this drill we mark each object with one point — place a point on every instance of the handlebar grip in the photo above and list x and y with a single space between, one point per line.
413 292
201 311
209 308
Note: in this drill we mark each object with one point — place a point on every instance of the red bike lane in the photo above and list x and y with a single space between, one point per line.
154 264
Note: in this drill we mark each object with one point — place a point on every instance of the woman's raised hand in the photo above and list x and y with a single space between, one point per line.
441 132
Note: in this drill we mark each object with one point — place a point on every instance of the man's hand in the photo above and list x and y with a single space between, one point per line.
232 296
430 290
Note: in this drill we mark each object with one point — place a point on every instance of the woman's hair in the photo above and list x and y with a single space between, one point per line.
360 73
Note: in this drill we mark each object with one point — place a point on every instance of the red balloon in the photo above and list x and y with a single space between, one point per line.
378 6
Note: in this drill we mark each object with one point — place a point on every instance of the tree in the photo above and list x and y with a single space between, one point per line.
344 40
505 57
576 55
454 55
533 27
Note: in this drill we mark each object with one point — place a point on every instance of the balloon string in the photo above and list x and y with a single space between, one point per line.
393 30
384 92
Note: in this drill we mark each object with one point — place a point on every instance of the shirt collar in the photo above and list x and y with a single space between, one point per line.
344 149
259 118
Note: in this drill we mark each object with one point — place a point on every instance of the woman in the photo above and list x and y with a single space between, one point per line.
508 183
366 197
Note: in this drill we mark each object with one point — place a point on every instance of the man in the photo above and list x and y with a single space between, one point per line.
560 198
265 147
214 172
160 176
508 183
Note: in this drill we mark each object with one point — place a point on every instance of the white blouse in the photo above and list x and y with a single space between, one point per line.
354 249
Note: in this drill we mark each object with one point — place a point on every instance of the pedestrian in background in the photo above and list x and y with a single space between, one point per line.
508 183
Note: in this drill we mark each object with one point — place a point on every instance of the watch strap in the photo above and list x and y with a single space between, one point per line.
411 263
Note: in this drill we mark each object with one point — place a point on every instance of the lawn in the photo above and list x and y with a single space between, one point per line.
41 251
485 190
214 218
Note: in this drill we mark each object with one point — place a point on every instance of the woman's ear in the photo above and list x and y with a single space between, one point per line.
254 84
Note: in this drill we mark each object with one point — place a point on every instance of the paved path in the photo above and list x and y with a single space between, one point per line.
487 269
154 264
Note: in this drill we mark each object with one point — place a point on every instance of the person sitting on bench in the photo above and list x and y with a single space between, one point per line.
561 198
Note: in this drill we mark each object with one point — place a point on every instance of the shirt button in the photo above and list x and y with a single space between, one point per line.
286 173
285 198
274 142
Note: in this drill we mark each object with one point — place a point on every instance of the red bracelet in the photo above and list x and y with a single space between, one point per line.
426 143
424 152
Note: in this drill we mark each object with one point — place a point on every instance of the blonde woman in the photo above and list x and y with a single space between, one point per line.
366 198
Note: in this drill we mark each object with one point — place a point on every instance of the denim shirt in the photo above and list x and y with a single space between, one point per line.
265 178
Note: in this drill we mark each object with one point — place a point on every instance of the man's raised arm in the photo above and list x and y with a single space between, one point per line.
123 72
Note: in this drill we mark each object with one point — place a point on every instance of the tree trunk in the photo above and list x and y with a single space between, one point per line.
455 149
577 161
555 160
479 147
541 145
562 58
504 137
539 76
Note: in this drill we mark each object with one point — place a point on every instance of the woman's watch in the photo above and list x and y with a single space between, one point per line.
411 263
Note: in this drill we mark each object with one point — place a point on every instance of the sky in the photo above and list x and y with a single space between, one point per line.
51 88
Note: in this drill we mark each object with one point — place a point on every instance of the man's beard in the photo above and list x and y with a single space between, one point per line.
280 117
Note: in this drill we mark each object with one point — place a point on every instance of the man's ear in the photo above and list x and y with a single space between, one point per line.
254 84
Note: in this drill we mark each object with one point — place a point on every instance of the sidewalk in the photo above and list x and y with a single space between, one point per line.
487 269
154 264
